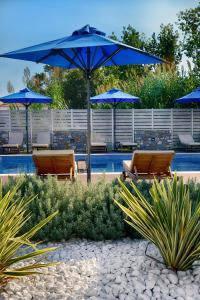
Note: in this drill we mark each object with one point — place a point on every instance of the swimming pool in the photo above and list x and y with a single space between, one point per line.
16 164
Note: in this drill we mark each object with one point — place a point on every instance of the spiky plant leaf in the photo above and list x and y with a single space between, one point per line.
168 220
13 217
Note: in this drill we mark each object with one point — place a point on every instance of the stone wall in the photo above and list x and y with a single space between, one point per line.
72 139
76 139
3 137
153 139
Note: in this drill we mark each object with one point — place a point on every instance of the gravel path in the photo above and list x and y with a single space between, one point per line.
106 270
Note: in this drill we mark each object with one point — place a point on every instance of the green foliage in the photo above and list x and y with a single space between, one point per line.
189 24
14 217
83 212
166 44
170 220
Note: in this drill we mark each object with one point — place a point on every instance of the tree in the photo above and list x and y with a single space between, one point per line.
134 38
26 76
166 44
189 24
10 87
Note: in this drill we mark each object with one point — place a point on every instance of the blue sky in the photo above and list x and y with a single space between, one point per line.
28 22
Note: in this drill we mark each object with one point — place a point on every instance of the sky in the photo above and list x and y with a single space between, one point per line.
25 23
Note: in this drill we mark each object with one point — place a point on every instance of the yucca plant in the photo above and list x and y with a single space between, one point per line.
167 220
13 217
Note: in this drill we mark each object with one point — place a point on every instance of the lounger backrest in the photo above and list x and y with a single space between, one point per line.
54 162
186 138
43 138
152 162
15 137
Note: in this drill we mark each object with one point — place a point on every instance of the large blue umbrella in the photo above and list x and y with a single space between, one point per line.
26 97
194 96
114 97
86 49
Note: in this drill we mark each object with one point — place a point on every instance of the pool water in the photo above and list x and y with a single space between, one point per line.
16 164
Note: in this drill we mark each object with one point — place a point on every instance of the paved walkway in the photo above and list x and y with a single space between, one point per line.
110 176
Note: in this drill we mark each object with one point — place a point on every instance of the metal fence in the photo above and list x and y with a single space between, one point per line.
102 122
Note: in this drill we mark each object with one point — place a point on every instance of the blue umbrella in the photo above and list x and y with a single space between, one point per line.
192 97
114 97
86 49
26 97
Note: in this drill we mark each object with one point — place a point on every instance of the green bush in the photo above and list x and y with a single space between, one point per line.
171 220
83 212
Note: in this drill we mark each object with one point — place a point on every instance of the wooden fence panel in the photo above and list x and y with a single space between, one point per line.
18 120
124 125
143 119
79 119
41 120
196 124
61 120
182 123
162 119
4 120
102 125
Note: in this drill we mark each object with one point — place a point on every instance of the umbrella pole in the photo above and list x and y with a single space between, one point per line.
114 107
27 148
88 129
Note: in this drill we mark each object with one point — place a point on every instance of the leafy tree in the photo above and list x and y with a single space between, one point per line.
166 44
10 87
26 76
134 38
189 24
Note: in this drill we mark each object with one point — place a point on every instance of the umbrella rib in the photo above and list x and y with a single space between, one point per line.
102 62
106 55
51 52
93 58
61 53
80 58
75 55
67 57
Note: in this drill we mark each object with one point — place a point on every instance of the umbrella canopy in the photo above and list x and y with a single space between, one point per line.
26 97
86 49
192 97
72 52
114 96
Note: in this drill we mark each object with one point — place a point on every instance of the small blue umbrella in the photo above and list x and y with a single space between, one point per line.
86 49
194 96
26 97
114 97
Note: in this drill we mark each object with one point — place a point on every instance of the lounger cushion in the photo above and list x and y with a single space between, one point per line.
98 144
40 145
10 146
187 139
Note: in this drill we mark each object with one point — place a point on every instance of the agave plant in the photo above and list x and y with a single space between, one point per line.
168 220
12 218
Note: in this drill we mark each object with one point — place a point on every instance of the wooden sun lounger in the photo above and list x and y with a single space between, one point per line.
15 141
148 164
42 141
59 163
98 147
